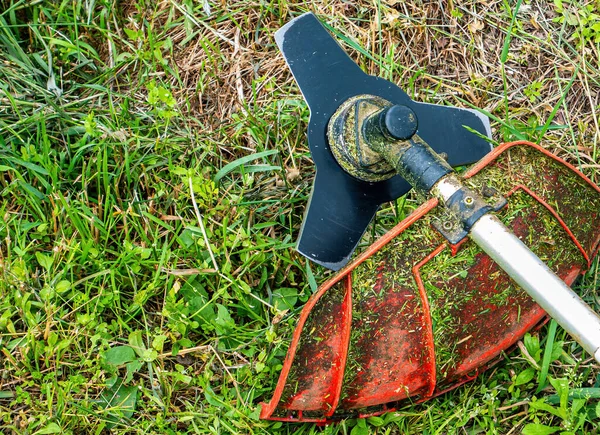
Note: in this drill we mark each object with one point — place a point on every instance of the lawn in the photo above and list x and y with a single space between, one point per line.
154 172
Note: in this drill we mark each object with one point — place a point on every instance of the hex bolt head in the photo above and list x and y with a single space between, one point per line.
447 225
469 201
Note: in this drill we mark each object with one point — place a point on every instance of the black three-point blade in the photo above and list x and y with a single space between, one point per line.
342 206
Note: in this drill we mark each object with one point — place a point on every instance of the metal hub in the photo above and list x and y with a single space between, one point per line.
359 126
348 143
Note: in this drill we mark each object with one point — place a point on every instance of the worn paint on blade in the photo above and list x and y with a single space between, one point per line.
280 34
485 121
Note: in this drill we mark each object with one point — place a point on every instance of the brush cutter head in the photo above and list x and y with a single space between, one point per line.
415 316
341 206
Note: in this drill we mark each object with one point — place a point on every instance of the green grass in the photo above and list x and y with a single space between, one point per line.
153 177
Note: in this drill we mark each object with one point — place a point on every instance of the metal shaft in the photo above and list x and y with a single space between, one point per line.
533 276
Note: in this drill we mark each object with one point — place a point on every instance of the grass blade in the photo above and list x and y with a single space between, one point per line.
504 55
241 161
558 104
576 393
547 355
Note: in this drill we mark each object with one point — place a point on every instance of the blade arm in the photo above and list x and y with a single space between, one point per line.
442 127
319 65
335 220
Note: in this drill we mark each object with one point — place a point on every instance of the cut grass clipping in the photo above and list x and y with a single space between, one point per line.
154 171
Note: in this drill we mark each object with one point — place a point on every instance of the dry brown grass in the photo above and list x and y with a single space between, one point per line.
228 63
